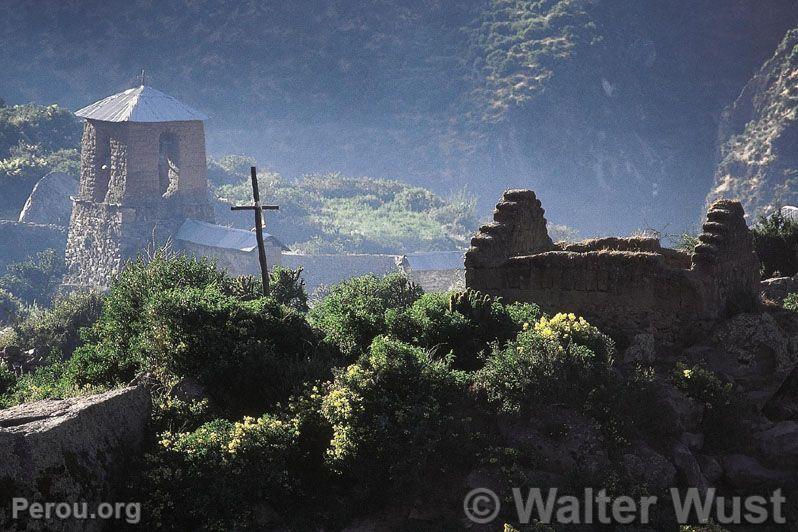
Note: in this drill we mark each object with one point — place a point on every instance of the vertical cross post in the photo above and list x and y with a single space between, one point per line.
258 208
264 267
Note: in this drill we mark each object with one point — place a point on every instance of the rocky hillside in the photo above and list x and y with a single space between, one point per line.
760 137
598 106
34 140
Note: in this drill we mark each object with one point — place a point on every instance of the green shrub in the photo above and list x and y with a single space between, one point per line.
218 476
231 170
702 385
622 406
522 314
50 381
28 163
247 354
49 126
566 361
123 313
7 379
58 329
723 406
791 302
285 286
175 415
685 241
776 243
534 368
288 288
102 364
9 307
36 279
395 419
384 425
332 213
34 140
223 475
176 317
557 360
353 312
569 329
115 345
464 323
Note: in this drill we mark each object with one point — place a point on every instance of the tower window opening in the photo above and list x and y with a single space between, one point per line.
168 163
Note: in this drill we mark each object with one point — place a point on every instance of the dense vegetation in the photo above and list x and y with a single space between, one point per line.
334 214
29 286
34 140
265 413
776 243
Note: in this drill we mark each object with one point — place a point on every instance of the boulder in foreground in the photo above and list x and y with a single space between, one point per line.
71 450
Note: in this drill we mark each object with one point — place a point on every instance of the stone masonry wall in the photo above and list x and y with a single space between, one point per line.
518 228
438 280
120 210
726 255
626 286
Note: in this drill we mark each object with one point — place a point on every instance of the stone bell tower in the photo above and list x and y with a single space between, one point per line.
143 174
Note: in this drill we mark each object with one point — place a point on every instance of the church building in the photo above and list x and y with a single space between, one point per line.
144 183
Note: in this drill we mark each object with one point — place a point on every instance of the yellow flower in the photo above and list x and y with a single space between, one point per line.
687 373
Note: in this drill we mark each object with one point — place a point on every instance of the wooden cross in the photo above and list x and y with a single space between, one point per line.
258 208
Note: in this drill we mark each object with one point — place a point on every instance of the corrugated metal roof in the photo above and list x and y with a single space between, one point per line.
435 260
142 104
218 236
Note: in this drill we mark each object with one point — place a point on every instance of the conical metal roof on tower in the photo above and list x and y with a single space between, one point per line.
141 104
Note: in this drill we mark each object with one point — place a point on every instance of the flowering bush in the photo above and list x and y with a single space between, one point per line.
537 367
386 422
568 329
224 475
393 415
722 406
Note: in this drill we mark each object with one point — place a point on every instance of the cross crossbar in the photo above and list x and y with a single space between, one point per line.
252 208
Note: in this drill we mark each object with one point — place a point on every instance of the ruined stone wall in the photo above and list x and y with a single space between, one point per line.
120 211
518 228
438 280
626 286
726 255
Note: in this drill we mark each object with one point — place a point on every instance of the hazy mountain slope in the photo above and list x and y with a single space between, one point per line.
760 137
603 107
621 130
34 140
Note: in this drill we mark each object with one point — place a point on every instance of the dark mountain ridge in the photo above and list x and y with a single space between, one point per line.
602 107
